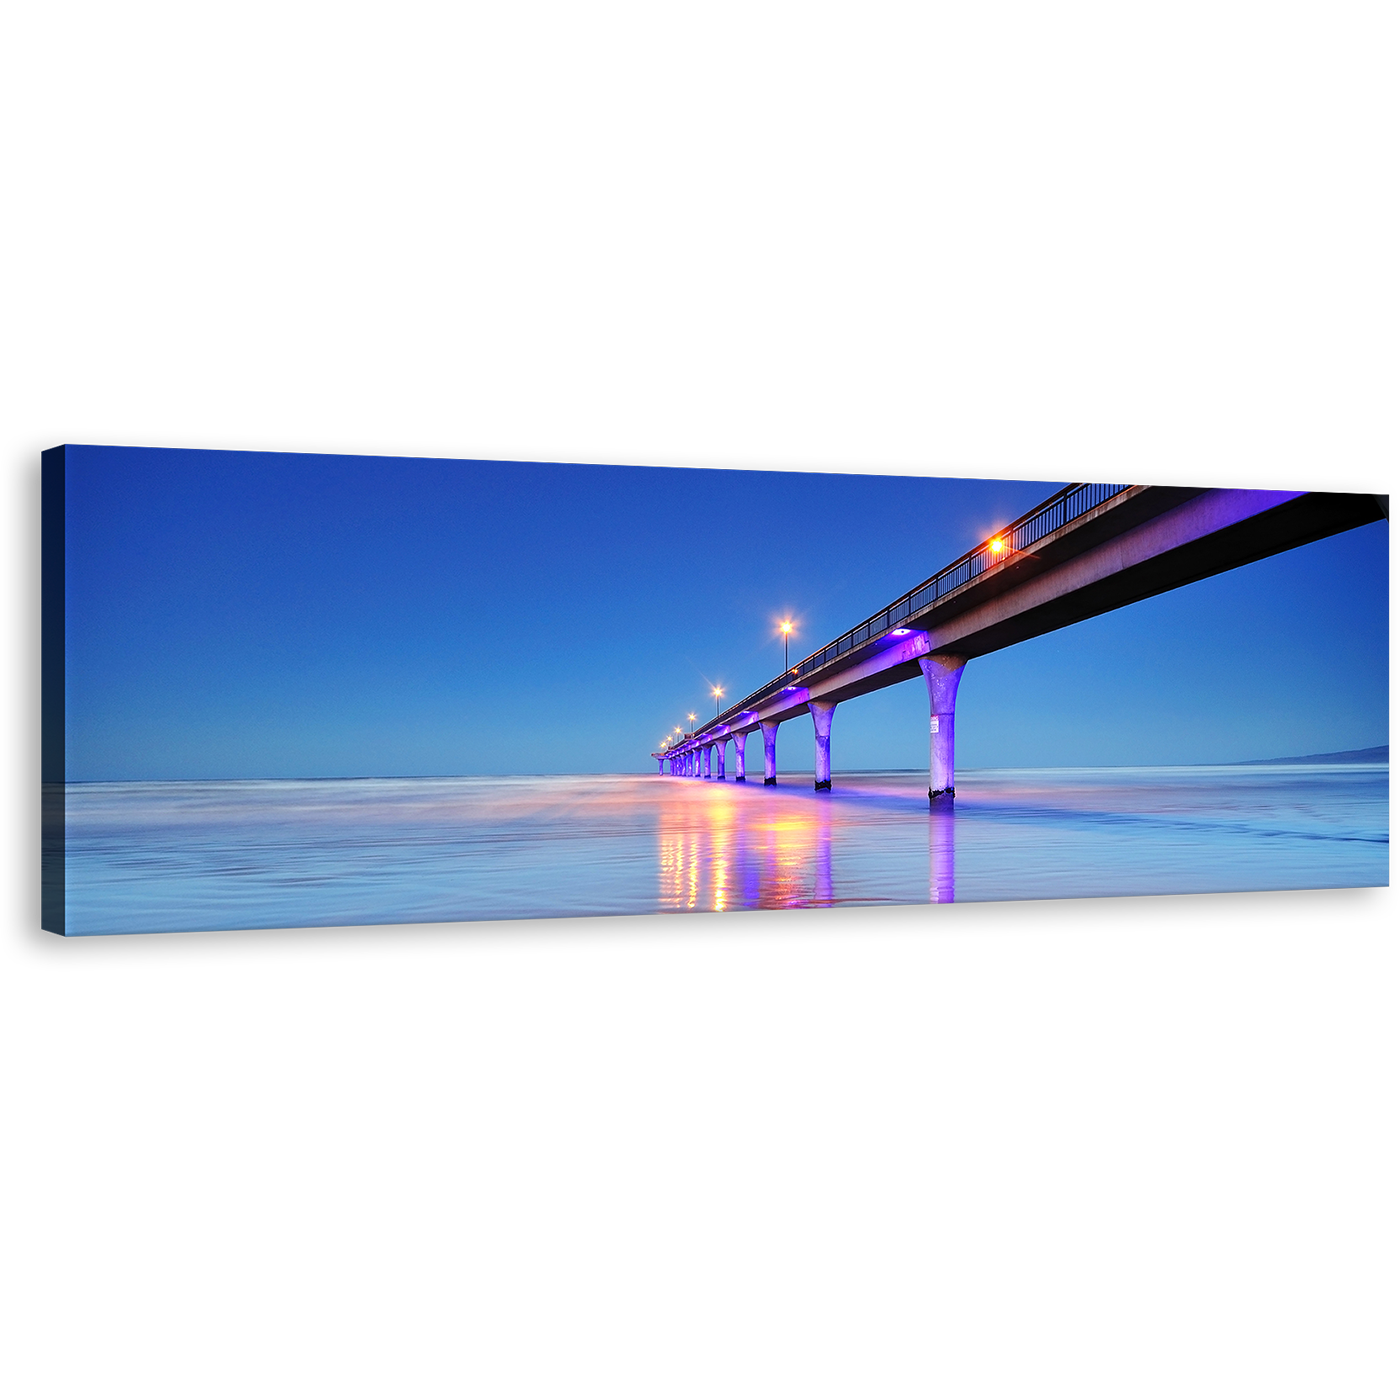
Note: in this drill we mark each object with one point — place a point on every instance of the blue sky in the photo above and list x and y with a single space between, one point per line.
285 615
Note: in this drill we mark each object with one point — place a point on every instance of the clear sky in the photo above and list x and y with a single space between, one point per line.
284 615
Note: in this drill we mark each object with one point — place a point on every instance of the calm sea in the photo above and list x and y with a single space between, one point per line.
145 857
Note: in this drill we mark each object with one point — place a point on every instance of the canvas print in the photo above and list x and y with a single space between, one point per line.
286 690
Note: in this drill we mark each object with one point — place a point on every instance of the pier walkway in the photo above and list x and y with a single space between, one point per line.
1086 550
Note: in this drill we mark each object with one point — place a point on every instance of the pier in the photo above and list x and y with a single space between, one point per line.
1087 550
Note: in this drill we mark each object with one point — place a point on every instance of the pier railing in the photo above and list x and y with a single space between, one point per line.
1077 499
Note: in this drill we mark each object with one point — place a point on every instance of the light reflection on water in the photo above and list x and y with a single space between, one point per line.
723 848
154 856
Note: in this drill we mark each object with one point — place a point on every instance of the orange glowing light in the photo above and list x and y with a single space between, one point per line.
997 546
785 628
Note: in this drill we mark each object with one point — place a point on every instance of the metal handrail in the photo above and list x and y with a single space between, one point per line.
1076 499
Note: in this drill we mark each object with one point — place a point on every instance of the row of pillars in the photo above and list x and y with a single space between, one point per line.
941 674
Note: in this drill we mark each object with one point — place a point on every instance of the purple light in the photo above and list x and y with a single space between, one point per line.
900 632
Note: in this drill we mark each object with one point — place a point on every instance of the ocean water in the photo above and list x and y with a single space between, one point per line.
148 857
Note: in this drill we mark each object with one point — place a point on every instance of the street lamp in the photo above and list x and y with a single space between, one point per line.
785 628
716 691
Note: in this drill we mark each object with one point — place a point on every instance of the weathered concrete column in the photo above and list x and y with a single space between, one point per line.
770 752
942 673
739 740
705 753
822 711
660 767
719 756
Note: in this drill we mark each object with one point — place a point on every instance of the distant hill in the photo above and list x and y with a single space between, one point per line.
1379 754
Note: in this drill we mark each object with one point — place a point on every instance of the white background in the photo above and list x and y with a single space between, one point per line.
1143 233
1144 1168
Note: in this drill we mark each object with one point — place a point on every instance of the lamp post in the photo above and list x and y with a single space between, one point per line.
785 628
716 691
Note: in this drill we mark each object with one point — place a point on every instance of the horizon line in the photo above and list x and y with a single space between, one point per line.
1338 758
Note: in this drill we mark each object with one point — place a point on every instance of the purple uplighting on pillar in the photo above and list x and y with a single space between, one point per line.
705 752
770 752
942 672
719 756
821 712
739 757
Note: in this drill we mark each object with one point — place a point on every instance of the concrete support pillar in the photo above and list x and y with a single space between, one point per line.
822 711
661 767
942 673
690 763
719 756
705 752
770 752
739 757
